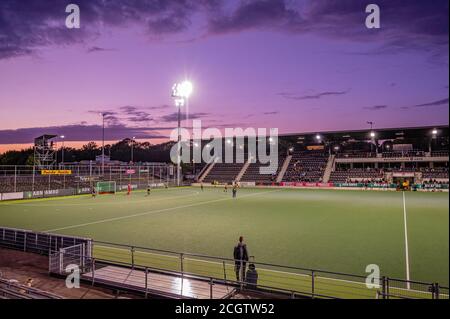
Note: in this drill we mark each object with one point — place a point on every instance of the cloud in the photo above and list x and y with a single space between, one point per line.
292 96
173 117
255 14
376 107
271 113
428 104
98 49
405 25
79 132
26 26
434 103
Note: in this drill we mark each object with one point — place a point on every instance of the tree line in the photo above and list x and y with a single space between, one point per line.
120 151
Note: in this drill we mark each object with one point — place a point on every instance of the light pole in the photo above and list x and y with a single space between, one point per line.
103 143
132 149
180 93
434 133
372 136
62 149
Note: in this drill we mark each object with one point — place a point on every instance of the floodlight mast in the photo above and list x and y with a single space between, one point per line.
180 93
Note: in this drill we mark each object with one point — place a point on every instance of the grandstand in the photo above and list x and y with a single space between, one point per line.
338 157
349 156
141 244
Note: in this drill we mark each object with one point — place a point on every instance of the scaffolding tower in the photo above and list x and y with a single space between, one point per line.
44 151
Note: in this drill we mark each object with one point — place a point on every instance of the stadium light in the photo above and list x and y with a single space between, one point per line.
132 149
318 137
62 149
336 148
103 143
372 134
434 132
180 93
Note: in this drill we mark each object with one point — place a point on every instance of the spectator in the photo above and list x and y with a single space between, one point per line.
240 255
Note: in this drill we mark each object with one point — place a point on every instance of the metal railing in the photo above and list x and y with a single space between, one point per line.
293 280
82 178
38 242
15 290
191 270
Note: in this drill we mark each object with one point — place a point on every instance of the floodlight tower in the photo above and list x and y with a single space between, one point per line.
103 143
180 93
62 137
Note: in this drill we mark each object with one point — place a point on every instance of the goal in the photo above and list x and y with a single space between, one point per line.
106 187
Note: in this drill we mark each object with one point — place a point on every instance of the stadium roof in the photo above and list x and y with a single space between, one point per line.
381 134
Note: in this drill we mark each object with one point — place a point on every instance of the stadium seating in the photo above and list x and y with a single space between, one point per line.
223 172
252 174
435 173
357 175
306 166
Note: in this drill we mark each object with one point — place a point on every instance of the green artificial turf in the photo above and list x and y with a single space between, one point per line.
339 231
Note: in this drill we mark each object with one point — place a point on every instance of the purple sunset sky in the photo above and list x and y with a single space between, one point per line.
296 65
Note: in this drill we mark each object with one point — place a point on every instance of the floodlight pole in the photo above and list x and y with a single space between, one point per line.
179 147
62 150
132 150
103 143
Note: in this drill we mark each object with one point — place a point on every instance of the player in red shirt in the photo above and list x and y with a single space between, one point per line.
129 189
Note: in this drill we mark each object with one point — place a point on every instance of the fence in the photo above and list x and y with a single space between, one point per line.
78 179
12 289
40 243
293 281
187 275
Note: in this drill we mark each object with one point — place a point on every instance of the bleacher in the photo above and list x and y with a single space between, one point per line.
252 174
306 166
224 172
409 153
435 173
356 174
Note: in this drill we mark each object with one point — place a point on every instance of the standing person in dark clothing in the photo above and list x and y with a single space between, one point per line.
234 190
240 255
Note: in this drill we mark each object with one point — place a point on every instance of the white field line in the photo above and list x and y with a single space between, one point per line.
356 283
106 220
408 284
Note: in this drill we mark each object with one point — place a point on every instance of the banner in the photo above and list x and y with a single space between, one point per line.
9 196
56 172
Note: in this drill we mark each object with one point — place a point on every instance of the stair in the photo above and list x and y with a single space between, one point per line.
284 168
243 170
208 169
328 168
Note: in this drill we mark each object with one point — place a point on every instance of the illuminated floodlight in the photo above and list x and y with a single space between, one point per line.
336 148
372 134
182 90
434 132
62 136
291 149
318 137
